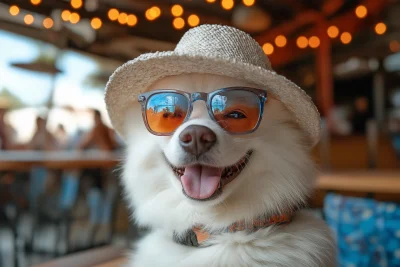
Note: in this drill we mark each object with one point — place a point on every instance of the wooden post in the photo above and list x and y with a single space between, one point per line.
379 96
324 72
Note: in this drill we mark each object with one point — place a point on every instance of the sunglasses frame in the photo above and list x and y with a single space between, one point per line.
207 98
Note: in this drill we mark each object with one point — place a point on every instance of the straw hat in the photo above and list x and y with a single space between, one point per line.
209 49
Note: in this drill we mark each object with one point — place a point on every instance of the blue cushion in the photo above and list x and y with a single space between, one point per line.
367 231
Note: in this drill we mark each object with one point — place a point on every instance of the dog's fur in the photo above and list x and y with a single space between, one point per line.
279 177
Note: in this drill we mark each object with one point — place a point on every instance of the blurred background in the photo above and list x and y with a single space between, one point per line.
59 157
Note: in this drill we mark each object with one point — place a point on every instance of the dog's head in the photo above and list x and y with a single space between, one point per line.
202 174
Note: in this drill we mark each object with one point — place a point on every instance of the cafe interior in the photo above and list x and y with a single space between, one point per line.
60 196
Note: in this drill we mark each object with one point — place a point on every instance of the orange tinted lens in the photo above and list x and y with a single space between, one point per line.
237 111
166 112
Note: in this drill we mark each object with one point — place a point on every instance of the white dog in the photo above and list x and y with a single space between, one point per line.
213 198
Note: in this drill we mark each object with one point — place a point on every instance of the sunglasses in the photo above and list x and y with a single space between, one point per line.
237 110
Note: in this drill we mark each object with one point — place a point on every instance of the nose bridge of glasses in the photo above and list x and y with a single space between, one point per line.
199 96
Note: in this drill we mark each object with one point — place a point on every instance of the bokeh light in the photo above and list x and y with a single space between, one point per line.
14 10
302 42
380 28
280 41
314 42
131 20
227 4
96 23
361 11
346 38
177 10
48 23
333 31
193 20
268 48
113 14
29 19
178 23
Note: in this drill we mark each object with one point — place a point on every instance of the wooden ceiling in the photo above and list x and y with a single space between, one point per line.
120 42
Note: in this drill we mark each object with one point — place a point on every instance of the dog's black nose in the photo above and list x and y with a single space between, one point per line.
196 139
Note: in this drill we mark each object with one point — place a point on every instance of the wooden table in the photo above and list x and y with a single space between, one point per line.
369 181
25 160
108 256
366 181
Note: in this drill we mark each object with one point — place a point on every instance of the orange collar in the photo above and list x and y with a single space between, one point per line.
198 234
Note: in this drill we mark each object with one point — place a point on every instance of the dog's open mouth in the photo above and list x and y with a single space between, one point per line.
203 182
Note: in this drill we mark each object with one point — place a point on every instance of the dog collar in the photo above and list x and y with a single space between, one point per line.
198 235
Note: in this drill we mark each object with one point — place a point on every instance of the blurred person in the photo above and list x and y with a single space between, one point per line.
42 139
101 192
4 137
61 136
99 137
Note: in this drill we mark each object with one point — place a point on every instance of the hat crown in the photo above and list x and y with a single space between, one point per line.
223 42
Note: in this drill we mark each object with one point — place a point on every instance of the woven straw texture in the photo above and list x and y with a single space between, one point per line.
209 49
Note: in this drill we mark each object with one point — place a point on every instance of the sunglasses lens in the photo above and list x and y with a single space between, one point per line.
165 112
237 111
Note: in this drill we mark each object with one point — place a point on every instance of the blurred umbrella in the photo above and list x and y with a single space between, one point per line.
42 64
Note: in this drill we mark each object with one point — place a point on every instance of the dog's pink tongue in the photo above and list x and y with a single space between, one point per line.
201 182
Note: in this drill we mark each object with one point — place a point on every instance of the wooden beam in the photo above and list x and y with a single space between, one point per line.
346 22
324 70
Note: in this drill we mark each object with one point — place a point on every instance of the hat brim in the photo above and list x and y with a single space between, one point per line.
137 75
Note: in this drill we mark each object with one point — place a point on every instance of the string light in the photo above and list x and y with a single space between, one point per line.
122 18
178 23
29 19
346 38
333 31
131 20
210 1
153 13
314 42
227 4
380 28
36 2
74 18
268 48
280 41
76 4
14 10
96 23
302 42
48 23
193 20
177 10
113 14
394 46
361 11
65 15
248 2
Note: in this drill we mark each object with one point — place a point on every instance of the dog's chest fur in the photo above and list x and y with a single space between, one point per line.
304 242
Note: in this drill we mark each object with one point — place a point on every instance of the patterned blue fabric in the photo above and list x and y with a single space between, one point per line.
367 231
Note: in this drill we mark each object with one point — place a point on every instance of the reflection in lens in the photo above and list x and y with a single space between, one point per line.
236 111
166 112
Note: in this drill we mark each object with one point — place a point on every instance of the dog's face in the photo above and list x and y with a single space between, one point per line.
203 174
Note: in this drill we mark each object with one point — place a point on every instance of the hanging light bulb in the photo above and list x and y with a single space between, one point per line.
178 23
14 10
48 23
96 23
193 20
177 10
268 48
